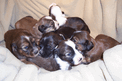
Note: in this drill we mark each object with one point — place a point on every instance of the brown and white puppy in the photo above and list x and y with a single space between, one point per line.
73 22
21 43
48 42
83 41
101 43
46 24
67 55
64 57
28 23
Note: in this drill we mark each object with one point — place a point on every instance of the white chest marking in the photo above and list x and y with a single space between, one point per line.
63 64
27 37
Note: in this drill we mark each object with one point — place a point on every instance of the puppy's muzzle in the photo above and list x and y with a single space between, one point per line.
35 51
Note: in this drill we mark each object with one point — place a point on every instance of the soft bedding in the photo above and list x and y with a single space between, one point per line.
102 16
110 69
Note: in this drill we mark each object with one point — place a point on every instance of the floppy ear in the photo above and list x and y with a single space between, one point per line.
14 50
74 39
14 47
16 53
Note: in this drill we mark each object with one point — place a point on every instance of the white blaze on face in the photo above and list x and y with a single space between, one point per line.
27 38
78 56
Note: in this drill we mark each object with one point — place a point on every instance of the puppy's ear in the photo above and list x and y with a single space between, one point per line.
41 28
14 50
14 47
16 53
74 39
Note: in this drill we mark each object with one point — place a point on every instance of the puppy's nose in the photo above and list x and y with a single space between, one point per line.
80 59
35 50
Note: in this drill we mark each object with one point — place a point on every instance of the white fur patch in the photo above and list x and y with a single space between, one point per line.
63 64
78 55
56 24
61 20
56 11
48 17
27 37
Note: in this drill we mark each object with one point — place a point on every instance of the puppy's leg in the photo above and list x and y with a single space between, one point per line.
28 62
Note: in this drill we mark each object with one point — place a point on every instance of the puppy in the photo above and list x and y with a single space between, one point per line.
21 43
65 32
83 41
73 22
28 23
67 55
46 24
48 42
64 57
101 43
49 63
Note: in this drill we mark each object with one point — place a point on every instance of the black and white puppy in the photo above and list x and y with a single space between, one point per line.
83 41
48 42
73 22
46 24
67 55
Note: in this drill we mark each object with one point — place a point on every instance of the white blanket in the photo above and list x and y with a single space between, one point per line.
110 69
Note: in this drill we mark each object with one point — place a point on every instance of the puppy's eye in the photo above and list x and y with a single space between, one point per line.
68 54
76 47
25 48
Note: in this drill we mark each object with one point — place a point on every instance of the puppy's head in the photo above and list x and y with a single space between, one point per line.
83 41
66 52
47 24
48 42
54 10
56 14
22 44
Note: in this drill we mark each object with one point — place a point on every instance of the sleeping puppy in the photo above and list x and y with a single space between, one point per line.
28 23
83 41
73 22
67 55
48 42
101 43
64 57
65 32
46 24
21 43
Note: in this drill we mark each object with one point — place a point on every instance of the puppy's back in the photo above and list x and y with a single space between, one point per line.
107 41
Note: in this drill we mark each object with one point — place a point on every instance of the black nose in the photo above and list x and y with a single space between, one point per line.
80 59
